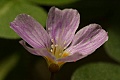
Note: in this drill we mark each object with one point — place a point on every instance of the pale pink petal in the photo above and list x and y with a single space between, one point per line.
31 31
37 51
72 58
88 39
62 24
85 42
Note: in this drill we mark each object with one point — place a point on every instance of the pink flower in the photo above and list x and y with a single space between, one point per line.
59 43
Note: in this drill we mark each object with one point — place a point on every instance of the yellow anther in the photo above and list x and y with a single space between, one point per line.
51 50
56 45
60 54
64 42
52 46
65 54
52 40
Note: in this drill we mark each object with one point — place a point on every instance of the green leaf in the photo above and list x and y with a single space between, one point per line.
10 10
112 46
7 65
97 71
53 2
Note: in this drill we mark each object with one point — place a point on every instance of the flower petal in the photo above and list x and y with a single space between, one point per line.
62 24
85 42
39 52
88 39
72 58
31 31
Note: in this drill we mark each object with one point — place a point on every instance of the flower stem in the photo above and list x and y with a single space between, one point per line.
52 77
53 68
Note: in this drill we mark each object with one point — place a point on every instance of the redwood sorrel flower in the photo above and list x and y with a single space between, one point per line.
59 43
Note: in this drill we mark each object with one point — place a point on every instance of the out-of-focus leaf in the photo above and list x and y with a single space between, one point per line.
112 46
10 10
97 71
7 65
53 2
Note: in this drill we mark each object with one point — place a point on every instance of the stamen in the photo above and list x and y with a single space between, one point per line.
52 40
56 50
60 54
65 54
51 50
56 45
64 42
52 46
49 28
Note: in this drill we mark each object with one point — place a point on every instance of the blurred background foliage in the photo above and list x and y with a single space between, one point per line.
18 64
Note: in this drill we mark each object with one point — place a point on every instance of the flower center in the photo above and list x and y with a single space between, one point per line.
58 51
